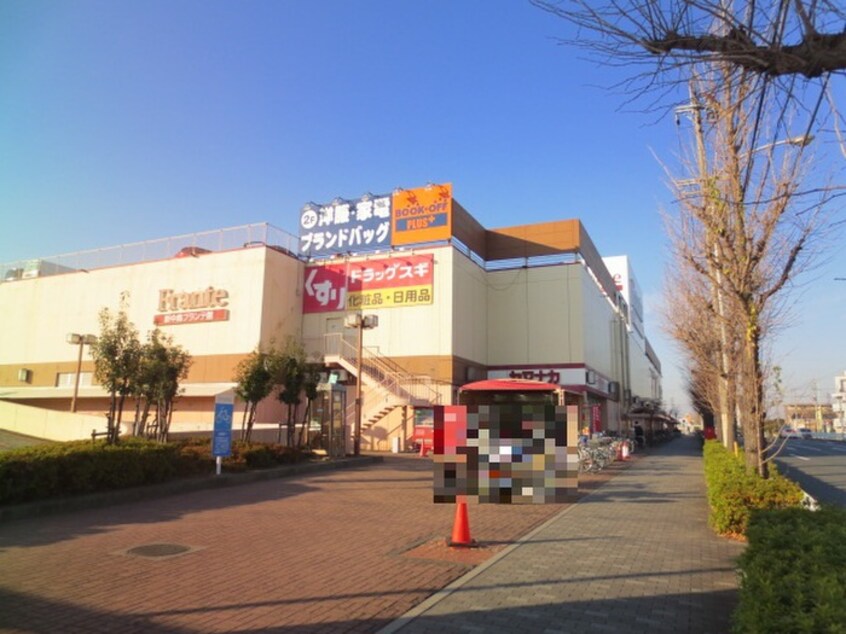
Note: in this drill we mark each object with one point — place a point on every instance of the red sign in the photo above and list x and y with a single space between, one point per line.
596 412
377 283
194 317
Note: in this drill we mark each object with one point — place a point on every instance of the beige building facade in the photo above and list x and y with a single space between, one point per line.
454 305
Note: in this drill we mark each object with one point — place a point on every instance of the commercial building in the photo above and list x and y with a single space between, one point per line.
838 403
451 303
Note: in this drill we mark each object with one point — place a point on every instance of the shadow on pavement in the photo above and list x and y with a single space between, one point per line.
701 613
705 613
25 613
92 521
129 507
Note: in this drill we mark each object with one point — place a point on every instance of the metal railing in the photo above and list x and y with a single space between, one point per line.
260 234
405 387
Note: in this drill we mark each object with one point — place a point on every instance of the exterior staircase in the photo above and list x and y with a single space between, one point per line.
388 385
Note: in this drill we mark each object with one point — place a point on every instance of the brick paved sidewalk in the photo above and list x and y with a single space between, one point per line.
635 556
338 551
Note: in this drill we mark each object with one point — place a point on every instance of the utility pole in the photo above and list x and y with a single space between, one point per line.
694 109
817 408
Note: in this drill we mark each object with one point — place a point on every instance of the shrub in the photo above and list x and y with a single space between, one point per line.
32 473
734 491
73 468
793 572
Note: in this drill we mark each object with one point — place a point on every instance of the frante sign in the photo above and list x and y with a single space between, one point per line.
192 307
373 223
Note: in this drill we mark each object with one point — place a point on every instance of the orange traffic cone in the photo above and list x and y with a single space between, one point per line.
461 526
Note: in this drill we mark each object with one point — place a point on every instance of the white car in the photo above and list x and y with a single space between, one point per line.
791 432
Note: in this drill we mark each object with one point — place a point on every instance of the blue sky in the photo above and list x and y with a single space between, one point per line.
127 121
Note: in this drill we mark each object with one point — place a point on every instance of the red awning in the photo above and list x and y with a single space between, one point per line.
509 385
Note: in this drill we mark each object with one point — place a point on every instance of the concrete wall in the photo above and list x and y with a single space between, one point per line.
598 329
642 370
469 297
536 315
47 423
282 297
50 307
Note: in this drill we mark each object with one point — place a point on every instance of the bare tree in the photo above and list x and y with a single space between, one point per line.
691 319
788 47
746 228
772 38
759 74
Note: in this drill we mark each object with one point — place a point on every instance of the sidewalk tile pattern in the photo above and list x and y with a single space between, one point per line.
353 550
326 552
636 556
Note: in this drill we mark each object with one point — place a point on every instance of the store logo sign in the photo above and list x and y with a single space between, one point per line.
192 307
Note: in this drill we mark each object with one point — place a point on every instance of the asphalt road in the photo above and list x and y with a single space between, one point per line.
819 466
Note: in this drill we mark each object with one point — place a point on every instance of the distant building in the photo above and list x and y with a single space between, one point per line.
838 402
817 417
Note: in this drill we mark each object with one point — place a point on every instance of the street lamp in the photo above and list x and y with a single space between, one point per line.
80 340
360 323
796 141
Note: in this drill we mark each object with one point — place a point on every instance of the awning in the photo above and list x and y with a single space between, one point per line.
96 391
509 385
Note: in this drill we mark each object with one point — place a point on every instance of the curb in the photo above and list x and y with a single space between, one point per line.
400 622
125 496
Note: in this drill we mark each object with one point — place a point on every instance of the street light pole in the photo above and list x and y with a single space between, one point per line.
81 340
360 323
359 392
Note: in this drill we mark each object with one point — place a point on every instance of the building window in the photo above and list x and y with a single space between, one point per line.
68 379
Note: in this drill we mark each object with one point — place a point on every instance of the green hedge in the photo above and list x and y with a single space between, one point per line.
734 492
74 468
793 573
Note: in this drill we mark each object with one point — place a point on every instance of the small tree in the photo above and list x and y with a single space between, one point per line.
311 379
291 378
116 355
164 365
254 376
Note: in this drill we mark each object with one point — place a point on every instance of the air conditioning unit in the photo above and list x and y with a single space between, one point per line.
590 377
24 375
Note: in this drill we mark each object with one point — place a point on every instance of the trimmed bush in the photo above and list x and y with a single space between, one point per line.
734 491
74 468
793 572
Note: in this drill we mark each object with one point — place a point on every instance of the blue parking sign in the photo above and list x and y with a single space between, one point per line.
222 436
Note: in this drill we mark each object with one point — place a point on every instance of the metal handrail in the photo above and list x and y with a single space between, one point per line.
385 372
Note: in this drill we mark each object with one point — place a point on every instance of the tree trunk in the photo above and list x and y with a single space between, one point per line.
292 417
110 423
757 415
305 423
142 426
136 421
250 420
116 429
